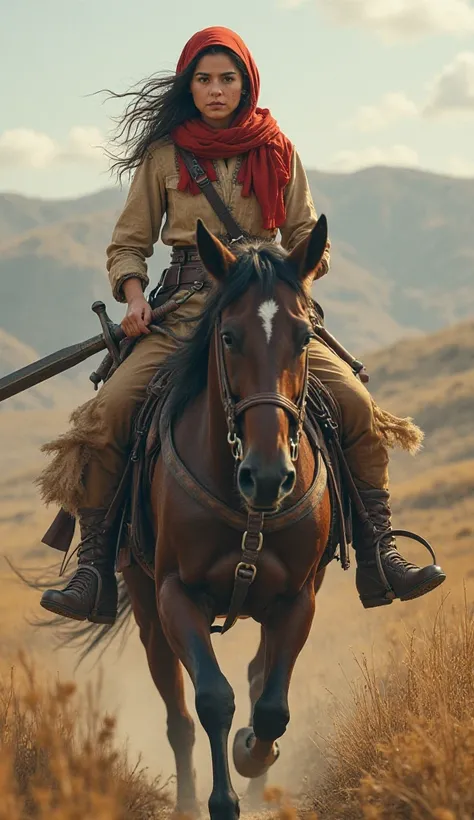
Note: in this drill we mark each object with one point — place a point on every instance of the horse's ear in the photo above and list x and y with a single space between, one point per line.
309 252
215 257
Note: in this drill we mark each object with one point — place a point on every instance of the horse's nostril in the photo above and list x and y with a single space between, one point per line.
246 481
289 482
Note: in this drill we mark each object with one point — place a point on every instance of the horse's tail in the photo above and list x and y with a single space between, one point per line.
82 636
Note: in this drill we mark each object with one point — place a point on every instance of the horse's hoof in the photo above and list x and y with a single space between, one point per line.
246 762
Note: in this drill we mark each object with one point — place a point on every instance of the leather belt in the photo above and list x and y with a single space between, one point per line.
185 254
182 274
185 269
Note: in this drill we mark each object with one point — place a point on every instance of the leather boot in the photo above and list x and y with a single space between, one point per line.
402 579
91 594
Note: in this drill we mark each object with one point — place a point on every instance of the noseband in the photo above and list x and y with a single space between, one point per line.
235 409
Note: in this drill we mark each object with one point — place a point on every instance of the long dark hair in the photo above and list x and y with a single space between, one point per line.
156 106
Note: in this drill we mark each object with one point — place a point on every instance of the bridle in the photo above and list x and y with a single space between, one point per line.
235 409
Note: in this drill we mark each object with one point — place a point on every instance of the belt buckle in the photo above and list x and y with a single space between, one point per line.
158 288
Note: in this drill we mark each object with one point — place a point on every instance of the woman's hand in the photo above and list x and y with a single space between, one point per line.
137 317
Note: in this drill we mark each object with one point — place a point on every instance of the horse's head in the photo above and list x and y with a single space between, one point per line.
261 346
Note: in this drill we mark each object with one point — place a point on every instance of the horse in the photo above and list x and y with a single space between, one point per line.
235 454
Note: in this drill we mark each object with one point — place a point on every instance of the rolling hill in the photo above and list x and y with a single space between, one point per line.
403 259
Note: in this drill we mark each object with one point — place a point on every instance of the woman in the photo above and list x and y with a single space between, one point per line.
209 107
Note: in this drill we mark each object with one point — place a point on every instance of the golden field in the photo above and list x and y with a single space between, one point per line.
382 700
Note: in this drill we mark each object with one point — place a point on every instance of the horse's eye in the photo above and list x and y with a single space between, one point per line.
228 340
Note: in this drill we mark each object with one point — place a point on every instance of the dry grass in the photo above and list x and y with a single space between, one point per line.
58 758
404 748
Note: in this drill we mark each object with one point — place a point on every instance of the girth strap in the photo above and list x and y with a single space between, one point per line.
246 569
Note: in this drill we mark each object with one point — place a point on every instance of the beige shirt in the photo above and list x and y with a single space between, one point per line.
154 196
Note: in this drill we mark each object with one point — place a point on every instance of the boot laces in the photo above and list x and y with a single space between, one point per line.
390 555
80 582
81 548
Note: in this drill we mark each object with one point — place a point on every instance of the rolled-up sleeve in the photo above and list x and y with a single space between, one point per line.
301 214
138 226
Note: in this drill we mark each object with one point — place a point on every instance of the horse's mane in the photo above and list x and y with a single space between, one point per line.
186 369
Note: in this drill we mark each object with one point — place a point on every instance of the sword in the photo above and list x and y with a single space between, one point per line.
110 338
68 357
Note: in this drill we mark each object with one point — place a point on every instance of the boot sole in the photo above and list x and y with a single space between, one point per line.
422 589
56 609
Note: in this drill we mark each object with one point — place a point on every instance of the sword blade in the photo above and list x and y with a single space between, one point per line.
49 366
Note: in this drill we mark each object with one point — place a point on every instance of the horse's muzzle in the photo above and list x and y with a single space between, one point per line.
264 485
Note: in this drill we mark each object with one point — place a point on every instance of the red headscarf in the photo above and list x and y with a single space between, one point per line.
266 165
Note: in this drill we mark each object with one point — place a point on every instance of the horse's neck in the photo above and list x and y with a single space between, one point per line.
201 439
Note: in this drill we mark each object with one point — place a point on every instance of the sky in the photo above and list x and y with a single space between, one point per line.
353 83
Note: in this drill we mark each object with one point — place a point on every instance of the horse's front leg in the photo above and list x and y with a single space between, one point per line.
186 622
256 678
286 626
167 674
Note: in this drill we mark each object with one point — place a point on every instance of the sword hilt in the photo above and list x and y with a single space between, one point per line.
99 375
108 328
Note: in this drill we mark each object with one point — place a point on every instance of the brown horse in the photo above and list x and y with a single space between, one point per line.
236 411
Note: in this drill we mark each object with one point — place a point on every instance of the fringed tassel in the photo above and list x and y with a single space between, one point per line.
398 432
61 481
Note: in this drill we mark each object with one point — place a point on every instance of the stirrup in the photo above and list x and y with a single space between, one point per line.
403 534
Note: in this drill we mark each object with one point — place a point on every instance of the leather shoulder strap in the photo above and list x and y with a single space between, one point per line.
200 177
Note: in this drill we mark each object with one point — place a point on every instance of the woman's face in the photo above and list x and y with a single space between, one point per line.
216 88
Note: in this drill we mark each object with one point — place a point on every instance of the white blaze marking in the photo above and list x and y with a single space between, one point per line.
267 311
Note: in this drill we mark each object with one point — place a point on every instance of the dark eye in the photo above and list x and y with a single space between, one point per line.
228 340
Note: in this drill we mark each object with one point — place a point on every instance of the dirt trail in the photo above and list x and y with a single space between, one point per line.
341 628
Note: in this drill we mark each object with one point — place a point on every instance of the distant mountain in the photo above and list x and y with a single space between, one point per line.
19 214
413 232
432 379
403 259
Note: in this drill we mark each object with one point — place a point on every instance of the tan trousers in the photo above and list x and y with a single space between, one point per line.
119 398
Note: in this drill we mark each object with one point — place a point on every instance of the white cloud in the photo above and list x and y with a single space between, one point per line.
23 147
397 155
83 143
401 19
452 91
392 108
460 167
26 148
